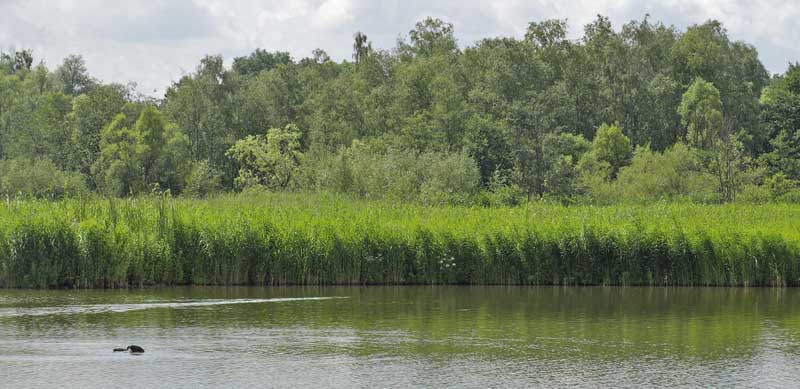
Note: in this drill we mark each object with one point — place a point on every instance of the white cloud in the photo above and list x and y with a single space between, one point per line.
155 41
332 14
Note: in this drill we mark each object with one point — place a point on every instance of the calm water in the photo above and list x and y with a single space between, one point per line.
402 336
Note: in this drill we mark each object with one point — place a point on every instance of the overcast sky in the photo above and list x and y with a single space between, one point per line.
154 42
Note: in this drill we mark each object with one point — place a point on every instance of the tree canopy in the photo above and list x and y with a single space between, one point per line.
541 115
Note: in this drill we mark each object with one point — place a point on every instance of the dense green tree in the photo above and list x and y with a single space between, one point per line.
116 170
203 180
36 127
153 139
376 169
73 76
562 153
90 113
487 142
784 158
273 99
705 51
701 114
202 106
335 112
430 94
271 161
612 147
527 113
153 154
432 36
259 61
780 117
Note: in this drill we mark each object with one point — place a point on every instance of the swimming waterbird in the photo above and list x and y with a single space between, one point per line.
132 348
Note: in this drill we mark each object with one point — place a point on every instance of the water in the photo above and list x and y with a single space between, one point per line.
402 336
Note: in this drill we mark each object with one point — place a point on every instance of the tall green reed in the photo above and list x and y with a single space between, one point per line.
314 239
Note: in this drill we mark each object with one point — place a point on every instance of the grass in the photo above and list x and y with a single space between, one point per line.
276 239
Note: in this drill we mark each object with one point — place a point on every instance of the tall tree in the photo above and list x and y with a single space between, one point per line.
260 60
432 36
151 154
701 114
73 76
90 113
361 47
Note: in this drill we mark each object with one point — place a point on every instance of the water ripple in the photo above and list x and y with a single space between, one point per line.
118 308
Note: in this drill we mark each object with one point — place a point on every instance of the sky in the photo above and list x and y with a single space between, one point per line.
155 42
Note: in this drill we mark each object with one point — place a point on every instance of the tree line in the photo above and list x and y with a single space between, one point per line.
638 113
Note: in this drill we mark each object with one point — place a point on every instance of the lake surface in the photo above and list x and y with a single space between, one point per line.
402 336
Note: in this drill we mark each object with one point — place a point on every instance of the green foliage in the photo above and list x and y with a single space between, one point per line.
432 36
781 121
547 33
362 47
488 145
677 173
203 180
17 61
701 114
705 51
271 161
376 171
201 105
38 179
36 127
73 77
278 239
153 154
271 100
448 178
563 153
612 147
517 107
116 170
259 61
90 113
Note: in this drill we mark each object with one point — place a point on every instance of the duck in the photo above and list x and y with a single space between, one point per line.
132 348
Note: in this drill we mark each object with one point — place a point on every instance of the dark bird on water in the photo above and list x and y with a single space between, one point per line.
132 348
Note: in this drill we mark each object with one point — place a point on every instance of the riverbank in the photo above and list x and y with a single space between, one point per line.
280 239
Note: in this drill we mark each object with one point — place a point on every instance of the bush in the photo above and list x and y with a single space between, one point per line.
448 178
677 173
754 194
778 185
203 180
38 179
377 171
501 196
611 146
271 161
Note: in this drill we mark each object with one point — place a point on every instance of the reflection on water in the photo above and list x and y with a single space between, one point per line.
402 336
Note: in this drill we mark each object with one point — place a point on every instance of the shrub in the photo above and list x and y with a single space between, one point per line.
203 180
377 171
38 179
677 173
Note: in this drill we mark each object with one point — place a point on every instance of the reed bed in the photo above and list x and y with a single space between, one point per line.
315 239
